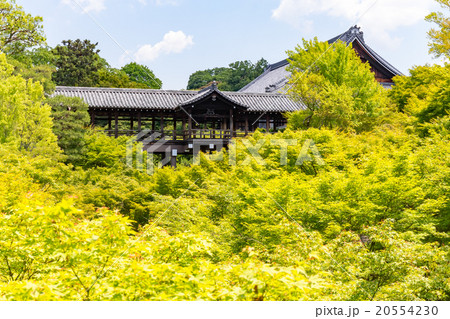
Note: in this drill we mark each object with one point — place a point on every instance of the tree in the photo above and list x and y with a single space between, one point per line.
200 79
37 64
38 73
233 78
24 117
440 38
36 56
143 75
111 77
337 89
243 72
424 94
71 118
77 63
18 30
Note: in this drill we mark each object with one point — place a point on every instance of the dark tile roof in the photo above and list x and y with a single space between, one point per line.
108 98
355 34
203 94
275 77
127 98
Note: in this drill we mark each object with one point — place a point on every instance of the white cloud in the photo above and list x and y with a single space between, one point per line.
87 5
173 42
376 19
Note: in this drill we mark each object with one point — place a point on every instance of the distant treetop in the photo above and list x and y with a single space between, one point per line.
233 78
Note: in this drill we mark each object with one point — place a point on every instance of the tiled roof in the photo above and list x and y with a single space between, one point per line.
108 98
265 102
276 76
203 94
127 98
272 80
355 34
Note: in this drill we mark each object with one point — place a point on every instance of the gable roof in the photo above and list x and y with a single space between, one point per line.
206 93
171 100
276 76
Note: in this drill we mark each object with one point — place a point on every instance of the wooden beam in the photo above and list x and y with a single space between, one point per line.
246 124
109 124
139 121
190 123
116 124
231 122
92 118
174 128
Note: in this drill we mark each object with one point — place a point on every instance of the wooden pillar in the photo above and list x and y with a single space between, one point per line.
231 122
109 123
173 161
92 118
190 124
174 128
116 124
267 122
246 124
132 122
139 121
161 124
183 127
153 123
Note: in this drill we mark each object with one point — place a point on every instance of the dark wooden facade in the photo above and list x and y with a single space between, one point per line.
181 118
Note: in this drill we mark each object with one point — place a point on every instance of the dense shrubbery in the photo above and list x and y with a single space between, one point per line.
102 231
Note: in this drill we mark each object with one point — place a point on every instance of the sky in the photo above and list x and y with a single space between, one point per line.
175 38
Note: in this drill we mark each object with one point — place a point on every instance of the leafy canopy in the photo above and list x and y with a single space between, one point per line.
440 37
70 121
77 63
24 116
233 78
337 89
143 75
18 29
425 93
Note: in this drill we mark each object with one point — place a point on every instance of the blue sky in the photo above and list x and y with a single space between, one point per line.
175 38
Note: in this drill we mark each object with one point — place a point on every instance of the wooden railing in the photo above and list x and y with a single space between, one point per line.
180 135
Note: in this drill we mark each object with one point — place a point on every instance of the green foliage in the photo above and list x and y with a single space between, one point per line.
25 119
70 120
36 57
77 63
425 93
142 75
440 38
336 88
18 29
114 78
39 73
233 78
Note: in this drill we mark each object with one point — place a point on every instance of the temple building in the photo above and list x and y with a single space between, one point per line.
275 77
179 118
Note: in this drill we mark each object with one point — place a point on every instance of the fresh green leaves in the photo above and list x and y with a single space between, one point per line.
18 29
233 78
440 38
338 90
